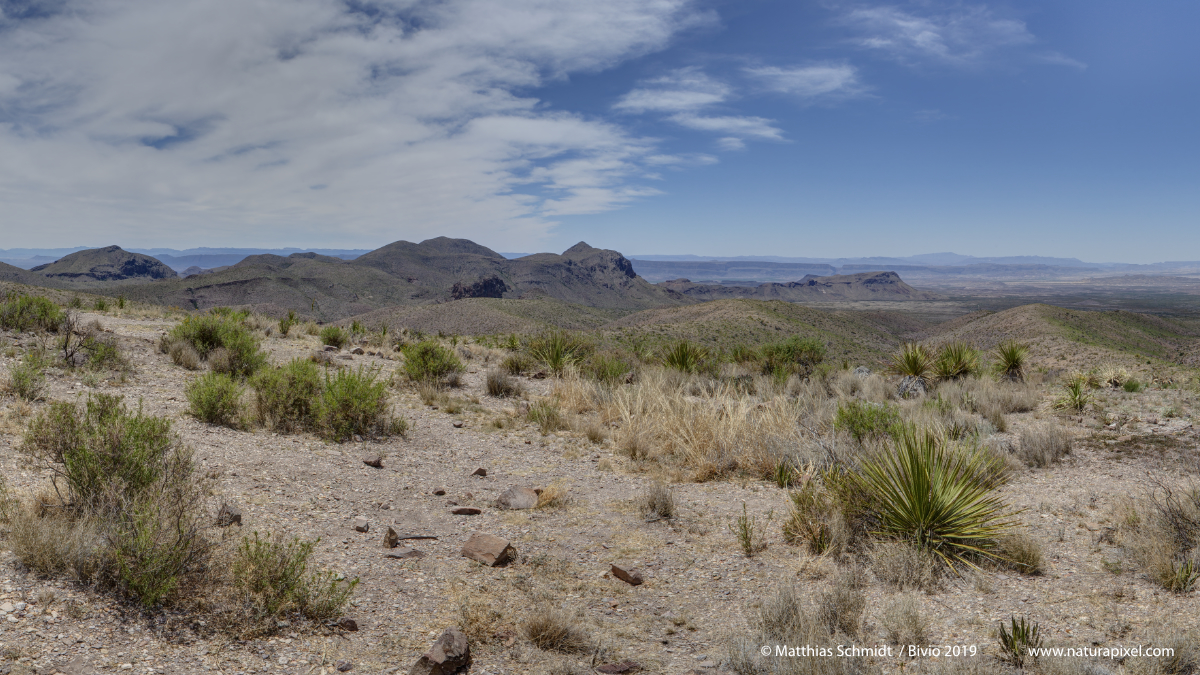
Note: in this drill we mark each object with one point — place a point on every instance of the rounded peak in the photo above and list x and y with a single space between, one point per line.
582 248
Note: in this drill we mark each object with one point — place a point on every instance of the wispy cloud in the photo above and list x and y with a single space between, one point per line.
314 121
955 34
741 127
810 82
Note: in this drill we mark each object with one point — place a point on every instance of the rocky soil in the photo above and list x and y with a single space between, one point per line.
699 589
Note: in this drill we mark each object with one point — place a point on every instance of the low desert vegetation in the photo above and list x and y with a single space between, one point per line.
221 338
1162 533
430 362
25 313
335 336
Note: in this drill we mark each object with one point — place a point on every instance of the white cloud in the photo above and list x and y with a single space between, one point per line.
960 35
307 122
685 93
757 127
831 80
730 143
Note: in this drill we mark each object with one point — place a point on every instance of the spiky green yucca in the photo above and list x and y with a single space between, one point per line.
955 361
1075 396
912 360
1015 644
559 350
939 498
1010 357
684 356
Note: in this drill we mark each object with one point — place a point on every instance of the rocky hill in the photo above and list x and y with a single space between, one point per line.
111 263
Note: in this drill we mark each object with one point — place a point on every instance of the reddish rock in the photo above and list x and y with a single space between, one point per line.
627 573
480 472
466 511
373 461
488 549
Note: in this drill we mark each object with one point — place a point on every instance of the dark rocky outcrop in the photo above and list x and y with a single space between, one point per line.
111 263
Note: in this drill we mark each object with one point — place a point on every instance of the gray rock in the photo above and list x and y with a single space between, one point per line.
488 549
406 553
862 371
517 498
374 461
449 655
361 524
343 666
330 348
391 539
911 386
357 350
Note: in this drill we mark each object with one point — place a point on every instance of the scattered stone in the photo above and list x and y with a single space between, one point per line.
346 623
466 511
458 424
627 573
517 498
373 461
439 491
449 655
539 375
488 549
619 668
862 371
343 666
481 472
391 539
406 553
361 524
330 348
911 386
229 515
357 350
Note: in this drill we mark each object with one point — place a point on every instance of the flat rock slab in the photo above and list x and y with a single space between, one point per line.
627 573
405 554
466 511
488 549
619 668
517 498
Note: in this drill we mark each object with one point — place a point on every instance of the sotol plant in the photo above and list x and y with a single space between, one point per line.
1009 360
913 360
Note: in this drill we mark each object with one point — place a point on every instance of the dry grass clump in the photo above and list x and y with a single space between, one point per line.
903 622
546 415
1042 445
553 497
784 620
556 630
184 355
657 502
840 607
1020 552
907 567
1163 536
499 384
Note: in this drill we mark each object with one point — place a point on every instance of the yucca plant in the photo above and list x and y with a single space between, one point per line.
912 360
1076 394
1010 357
955 361
1182 577
938 498
684 356
558 350
1016 643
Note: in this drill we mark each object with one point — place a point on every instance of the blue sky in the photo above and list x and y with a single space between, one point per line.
650 126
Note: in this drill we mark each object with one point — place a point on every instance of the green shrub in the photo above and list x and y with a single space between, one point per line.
684 357
1010 357
1016 643
795 355
27 379
1076 394
936 497
100 305
286 323
355 402
271 579
221 329
517 364
334 336
956 360
103 353
286 398
215 398
28 313
606 368
429 361
865 420
546 415
1133 386
559 350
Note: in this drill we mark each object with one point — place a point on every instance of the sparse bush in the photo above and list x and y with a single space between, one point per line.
939 498
1020 552
1043 444
657 503
956 360
334 336
840 608
288 397
100 304
215 398
271 579
903 622
866 421
516 364
684 357
429 361
501 385
27 379
606 368
794 356
906 567
556 630
1133 386
546 415
748 532
287 322
1165 538
221 329
25 313
783 620
594 431
354 402
103 353
1010 357
183 354
814 518
49 541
